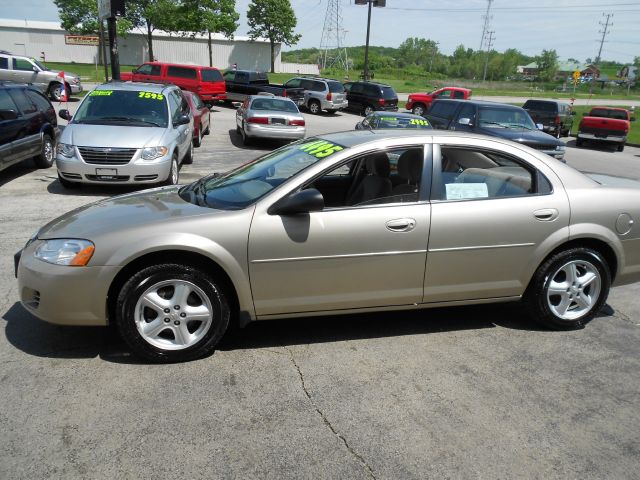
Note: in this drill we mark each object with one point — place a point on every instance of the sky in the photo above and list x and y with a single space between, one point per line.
571 27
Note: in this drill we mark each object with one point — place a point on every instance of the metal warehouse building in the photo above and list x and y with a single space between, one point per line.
32 38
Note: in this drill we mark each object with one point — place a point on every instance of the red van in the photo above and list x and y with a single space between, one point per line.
207 82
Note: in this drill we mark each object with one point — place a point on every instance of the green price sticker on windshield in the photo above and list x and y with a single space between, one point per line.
321 148
389 119
415 121
101 93
151 95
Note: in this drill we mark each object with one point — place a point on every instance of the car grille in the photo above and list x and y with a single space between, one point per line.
542 147
106 155
603 132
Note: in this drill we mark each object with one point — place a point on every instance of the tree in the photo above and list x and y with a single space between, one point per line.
547 65
636 61
206 16
272 19
152 15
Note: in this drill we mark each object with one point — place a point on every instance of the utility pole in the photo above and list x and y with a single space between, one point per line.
490 40
487 21
370 3
604 32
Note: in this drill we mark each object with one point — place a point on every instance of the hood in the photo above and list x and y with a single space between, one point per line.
66 74
123 212
526 137
115 136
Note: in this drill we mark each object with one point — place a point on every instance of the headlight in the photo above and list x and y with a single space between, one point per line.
151 153
65 252
561 147
66 150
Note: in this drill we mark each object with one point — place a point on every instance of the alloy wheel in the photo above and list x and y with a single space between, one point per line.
574 289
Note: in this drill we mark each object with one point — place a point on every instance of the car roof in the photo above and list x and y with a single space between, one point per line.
135 86
380 113
546 101
270 97
179 65
480 103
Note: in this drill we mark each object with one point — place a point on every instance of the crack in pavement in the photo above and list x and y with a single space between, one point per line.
326 421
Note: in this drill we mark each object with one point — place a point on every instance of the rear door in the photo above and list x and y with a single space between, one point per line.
147 73
27 143
211 82
9 128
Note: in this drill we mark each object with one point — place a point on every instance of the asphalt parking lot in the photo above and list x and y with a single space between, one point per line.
474 392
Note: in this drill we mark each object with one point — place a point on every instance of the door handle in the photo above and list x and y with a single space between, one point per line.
546 214
401 225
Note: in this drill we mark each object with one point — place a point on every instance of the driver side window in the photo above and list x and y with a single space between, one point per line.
381 177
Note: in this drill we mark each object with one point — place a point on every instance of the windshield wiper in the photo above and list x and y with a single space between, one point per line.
198 187
129 119
518 125
482 122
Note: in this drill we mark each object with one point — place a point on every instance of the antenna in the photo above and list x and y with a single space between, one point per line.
332 50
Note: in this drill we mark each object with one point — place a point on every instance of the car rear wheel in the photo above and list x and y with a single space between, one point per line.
368 110
45 158
208 130
172 313
314 107
245 138
418 109
56 91
621 147
568 289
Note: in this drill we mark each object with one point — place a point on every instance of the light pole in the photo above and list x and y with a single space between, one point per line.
369 3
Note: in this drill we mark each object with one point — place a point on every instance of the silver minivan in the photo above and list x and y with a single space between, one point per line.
320 94
126 133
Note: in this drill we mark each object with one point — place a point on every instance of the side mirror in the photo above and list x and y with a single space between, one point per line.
464 121
35 69
182 120
65 115
304 201
539 126
8 114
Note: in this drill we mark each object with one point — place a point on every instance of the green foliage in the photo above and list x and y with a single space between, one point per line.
204 16
547 65
81 17
272 19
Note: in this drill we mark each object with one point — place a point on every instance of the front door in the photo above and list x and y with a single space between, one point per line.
492 215
368 250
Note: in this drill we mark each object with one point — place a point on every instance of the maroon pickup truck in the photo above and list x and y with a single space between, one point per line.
606 125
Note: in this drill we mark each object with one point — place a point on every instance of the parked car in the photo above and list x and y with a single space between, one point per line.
28 126
495 119
21 69
320 94
207 82
201 117
367 97
243 83
126 133
605 125
378 120
419 103
262 116
317 228
555 117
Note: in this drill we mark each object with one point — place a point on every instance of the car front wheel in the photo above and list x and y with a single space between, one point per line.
314 107
418 110
368 110
568 289
45 158
172 313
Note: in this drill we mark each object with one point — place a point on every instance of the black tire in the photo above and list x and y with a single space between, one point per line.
55 91
174 173
208 130
245 138
418 109
314 107
46 156
138 284
188 158
197 141
539 300
67 184
558 133
368 110
621 147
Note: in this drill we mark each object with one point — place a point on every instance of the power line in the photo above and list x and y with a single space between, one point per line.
519 9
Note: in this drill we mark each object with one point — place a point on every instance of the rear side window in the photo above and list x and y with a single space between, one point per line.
458 94
182 72
357 88
317 86
293 83
24 104
4 63
242 77
388 93
6 103
372 90
443 109
147 69
211 75
541 106
335 87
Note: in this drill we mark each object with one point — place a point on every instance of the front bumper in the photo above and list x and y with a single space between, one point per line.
75 87
608 138
136 172
63 295
274 131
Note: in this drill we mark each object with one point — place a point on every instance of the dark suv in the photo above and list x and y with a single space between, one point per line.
28 126
367 97
556 117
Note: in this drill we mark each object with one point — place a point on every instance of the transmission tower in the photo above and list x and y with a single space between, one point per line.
487 22
605 31
490 39
332 50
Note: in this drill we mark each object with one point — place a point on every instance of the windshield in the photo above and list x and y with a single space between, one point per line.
118 107
490 117
388 93
41 66
335 87
392 121
241 187
608 113
274 104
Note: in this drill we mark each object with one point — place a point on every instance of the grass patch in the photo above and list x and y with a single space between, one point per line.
87 71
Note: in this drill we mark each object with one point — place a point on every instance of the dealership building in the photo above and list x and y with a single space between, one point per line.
49 41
